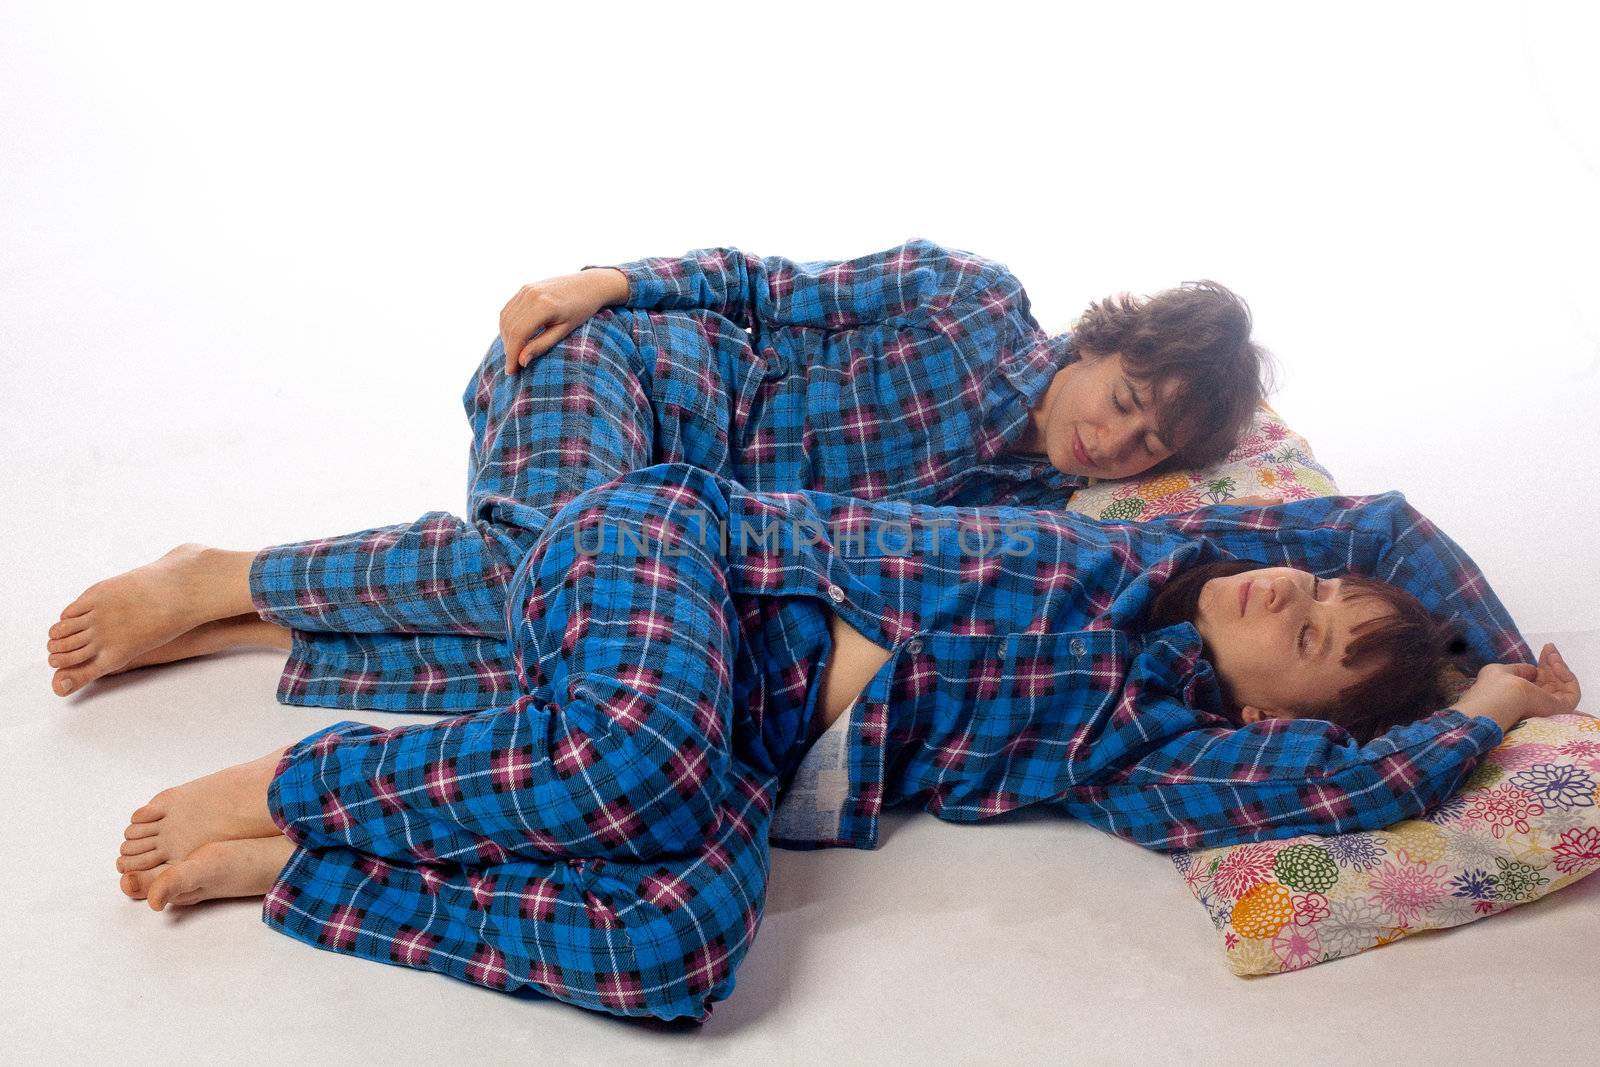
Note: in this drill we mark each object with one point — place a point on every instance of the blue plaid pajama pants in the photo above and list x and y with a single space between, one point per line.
601 839
411 617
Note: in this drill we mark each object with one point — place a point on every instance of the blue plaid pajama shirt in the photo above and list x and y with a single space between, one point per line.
603 839
902 375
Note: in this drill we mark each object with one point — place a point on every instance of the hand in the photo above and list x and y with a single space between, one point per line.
1511 692
540 315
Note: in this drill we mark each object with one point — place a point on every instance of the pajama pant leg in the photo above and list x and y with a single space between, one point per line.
622 743
658 938
597 840
411 617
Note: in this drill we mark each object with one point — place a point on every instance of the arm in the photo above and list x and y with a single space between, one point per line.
899 284
1284 777
1280 778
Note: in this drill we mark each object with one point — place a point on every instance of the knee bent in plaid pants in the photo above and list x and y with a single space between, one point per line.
411 616
601 839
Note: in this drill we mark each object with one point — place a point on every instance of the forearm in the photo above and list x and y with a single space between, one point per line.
611 285
1504 714
907 283
1226 787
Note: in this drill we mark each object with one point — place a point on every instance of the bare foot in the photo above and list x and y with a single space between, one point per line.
115 621
136 884
218 635
226 805
241 868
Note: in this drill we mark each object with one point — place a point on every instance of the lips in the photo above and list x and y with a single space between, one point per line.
1244 596
1078 451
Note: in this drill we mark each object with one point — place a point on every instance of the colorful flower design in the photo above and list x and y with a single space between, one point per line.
1526 822
1560 784
1407 889
1422 841
1578 850
1263 911
1516 881
1356 851
1474 885
1505 808
1297 946
1308 868
1354 925
1310 908
1243 867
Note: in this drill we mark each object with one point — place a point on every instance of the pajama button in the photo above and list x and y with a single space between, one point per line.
914 645
774 366
836 594
1077 647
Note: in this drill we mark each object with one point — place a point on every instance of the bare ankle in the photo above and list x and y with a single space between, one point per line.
223 577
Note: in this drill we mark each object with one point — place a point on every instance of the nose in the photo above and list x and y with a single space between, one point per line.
1280 593
1117 440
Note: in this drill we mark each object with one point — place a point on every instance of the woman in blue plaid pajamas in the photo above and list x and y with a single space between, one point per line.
915 374
681 641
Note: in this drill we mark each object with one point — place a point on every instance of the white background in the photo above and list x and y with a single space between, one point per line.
249 254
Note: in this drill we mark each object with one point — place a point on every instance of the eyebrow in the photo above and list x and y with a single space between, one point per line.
1327 634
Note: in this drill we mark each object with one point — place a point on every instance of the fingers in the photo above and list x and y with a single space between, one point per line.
527 337
520 320
553 334
1557 679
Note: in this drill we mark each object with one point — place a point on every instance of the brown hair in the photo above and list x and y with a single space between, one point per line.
1419 658
1198 337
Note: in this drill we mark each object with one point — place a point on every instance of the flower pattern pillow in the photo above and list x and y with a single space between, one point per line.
1525 823
1271 461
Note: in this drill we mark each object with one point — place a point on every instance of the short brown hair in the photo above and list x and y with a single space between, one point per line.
1197 336
1418 657
1414 652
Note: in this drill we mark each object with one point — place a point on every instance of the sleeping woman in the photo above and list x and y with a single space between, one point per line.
680 642
916 374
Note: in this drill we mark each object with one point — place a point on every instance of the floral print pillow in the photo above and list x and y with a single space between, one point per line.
1525 823
1271 461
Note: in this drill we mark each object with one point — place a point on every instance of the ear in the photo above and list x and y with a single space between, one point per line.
1250 714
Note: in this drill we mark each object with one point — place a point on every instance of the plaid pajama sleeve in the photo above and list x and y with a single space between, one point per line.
902 285
1280 778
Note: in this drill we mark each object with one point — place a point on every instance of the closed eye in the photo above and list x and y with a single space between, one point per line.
1300 642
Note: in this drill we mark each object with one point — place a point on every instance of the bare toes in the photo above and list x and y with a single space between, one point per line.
68 627
72 659
79 607
151 812
137 846
138 830
70 680
153 858
69 642
136 884
178 884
